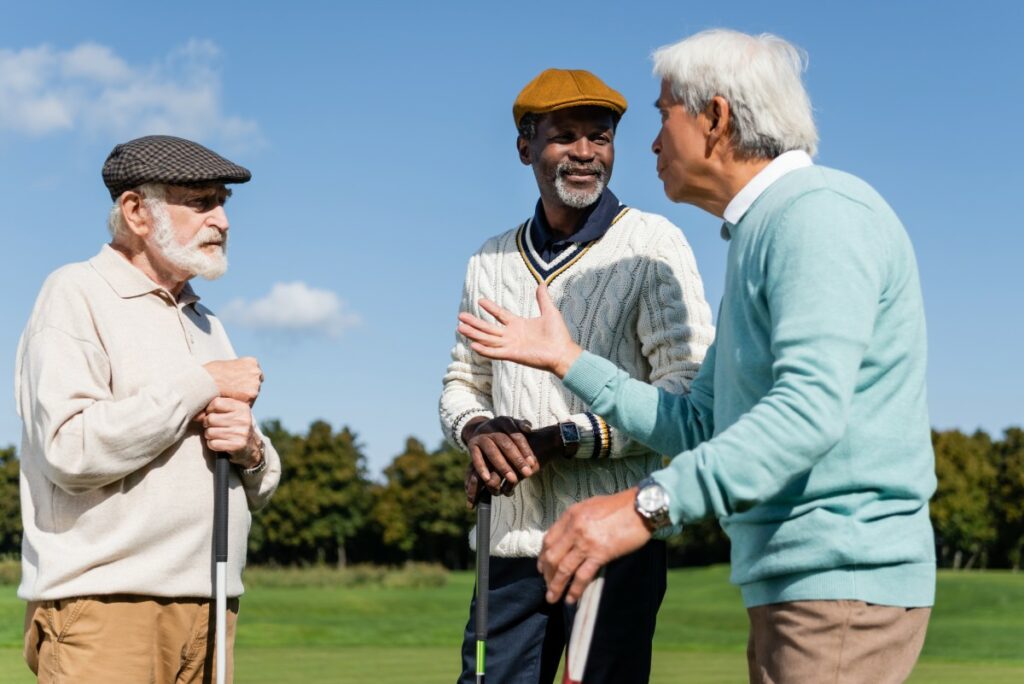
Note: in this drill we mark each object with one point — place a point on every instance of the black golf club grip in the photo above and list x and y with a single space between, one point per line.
483 562
220 508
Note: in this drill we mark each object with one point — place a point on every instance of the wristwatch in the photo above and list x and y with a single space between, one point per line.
652 504
570 438
262 465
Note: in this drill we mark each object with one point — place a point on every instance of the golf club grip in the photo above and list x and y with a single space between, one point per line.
220 508
483 562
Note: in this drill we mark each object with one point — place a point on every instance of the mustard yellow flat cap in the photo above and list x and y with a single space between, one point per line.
561 88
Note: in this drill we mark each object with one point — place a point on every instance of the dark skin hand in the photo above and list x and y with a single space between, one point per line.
577 146
503 452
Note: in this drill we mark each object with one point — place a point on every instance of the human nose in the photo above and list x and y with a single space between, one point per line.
656 144
219 219
582 149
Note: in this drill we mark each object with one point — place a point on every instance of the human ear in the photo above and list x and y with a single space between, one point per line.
523 146
136 215
719 118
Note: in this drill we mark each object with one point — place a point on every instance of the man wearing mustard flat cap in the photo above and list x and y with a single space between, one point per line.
806 432
627 284
127 386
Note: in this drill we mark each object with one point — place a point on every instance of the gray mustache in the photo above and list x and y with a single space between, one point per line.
596 168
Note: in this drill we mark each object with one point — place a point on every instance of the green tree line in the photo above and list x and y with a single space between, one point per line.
328 510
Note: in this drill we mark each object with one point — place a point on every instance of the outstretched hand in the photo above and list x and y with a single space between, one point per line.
543 342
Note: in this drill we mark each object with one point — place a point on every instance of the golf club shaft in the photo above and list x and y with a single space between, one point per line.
220 556
483 571
577 651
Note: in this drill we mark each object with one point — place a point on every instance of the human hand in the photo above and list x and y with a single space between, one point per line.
589 535
543 342
500 455
228 427
238 378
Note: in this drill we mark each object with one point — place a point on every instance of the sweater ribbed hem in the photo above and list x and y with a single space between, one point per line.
514 544
909 585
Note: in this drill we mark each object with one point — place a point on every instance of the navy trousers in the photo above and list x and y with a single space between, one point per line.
527 635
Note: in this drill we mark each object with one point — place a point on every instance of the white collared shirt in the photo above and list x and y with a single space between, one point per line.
779 167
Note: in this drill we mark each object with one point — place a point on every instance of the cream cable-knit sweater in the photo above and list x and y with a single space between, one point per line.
634 297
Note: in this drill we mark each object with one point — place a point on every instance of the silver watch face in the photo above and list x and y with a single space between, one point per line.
652 499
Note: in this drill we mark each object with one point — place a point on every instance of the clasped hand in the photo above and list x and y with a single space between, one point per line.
228 427
227 421
500 455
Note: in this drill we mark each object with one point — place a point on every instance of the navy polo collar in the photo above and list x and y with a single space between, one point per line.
602 214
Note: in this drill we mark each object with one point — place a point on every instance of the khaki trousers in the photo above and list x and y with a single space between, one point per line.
834 642
124 639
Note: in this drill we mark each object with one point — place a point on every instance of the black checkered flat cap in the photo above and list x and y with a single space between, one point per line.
169 160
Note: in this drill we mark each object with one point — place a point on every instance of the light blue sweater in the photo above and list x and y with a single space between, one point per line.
806 431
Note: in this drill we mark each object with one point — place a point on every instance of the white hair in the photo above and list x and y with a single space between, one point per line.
153 194
190 257
760 78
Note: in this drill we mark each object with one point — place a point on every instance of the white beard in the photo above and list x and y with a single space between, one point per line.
578 199
189 258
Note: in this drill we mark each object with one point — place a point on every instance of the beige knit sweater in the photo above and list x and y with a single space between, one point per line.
116 480
634 297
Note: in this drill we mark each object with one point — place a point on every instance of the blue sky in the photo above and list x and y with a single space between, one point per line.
382 147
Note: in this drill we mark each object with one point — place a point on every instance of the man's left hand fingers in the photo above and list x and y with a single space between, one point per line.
563 572
228 446
472 486
585 574
232 419
558 541
527 453
229 433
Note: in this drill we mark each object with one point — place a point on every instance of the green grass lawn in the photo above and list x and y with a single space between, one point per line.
391 635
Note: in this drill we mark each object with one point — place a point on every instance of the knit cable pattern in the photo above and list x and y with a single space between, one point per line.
635 298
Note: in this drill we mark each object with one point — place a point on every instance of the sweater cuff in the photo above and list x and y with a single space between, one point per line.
687 500
595 436
196 388
461 420
588 375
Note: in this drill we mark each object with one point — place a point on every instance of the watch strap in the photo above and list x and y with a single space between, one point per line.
262 465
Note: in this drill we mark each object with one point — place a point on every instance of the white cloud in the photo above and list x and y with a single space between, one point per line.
94 62
90 88
293 307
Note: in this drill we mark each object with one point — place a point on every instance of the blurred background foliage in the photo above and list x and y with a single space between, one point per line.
329 512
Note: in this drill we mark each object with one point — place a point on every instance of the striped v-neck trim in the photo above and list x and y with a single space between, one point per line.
546 271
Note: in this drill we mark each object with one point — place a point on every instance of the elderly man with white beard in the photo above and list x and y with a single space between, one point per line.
127 386
628 283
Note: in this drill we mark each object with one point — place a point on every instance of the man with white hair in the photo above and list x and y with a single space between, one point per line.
127 386
628 284
806 431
